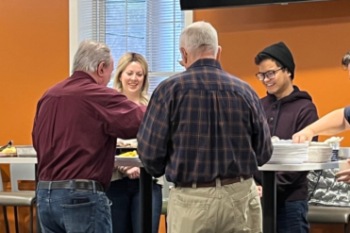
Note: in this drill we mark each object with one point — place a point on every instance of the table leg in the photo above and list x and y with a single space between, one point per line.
269 201
146 201
38 229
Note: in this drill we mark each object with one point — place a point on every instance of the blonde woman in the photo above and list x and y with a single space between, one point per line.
131 79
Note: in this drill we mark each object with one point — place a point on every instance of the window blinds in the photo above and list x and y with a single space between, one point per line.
149 27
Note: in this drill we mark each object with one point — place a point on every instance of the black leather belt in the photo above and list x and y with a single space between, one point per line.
225 181
87 185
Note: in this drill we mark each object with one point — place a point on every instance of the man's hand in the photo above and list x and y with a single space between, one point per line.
260 190
303 136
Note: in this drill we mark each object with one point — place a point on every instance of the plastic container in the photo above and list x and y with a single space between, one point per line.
344 152
335 146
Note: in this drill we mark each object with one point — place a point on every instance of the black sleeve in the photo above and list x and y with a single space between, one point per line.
347 114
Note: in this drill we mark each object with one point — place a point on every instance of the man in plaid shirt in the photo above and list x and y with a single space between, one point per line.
206 130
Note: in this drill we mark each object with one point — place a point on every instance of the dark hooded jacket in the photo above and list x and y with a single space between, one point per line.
285 117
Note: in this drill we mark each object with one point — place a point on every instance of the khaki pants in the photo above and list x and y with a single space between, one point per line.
233 208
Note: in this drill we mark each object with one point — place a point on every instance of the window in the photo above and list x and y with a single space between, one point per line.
149 27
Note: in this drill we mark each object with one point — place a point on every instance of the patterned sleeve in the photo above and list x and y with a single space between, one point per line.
153 136
261 139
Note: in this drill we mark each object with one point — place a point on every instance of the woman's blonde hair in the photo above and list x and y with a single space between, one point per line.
123 62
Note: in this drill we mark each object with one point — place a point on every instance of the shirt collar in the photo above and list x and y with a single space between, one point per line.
82 74
206 62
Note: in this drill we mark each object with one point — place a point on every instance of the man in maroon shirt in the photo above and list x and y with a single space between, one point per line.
75 130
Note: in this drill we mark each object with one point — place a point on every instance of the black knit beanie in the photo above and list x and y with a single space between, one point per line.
282 54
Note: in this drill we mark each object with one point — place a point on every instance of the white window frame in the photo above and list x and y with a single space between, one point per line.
74 35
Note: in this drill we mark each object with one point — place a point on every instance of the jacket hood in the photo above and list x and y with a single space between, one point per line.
295 95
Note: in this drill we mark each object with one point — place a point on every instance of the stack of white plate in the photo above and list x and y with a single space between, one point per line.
286 152
319 152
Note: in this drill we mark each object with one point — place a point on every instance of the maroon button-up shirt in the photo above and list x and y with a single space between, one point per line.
76 126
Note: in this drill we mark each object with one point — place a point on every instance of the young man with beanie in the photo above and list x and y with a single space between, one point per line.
288 110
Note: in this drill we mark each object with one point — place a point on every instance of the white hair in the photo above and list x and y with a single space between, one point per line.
90 54
199 37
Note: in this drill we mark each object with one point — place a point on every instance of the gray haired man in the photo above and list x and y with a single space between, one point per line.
206 130
75 129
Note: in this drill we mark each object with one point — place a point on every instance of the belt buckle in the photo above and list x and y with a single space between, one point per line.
83 184
83 180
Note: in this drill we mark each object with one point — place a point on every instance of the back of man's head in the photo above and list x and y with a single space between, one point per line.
89 55
198 38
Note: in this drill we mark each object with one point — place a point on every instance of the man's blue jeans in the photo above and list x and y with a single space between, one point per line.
292 217
68 211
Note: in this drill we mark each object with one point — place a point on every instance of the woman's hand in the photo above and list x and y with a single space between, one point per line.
123 169
344 171
343 176
131 172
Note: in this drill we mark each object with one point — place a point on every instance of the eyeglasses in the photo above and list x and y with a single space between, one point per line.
271 74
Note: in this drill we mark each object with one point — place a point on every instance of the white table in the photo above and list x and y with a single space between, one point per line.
269 187
125 161
299 167
26 160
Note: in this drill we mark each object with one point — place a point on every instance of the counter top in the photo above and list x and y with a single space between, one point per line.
120 161
18 160
299 167
135 162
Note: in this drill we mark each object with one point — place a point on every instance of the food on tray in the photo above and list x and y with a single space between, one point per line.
9 150
129 154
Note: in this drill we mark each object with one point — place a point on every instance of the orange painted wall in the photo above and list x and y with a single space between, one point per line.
35 50
34 55
317 33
